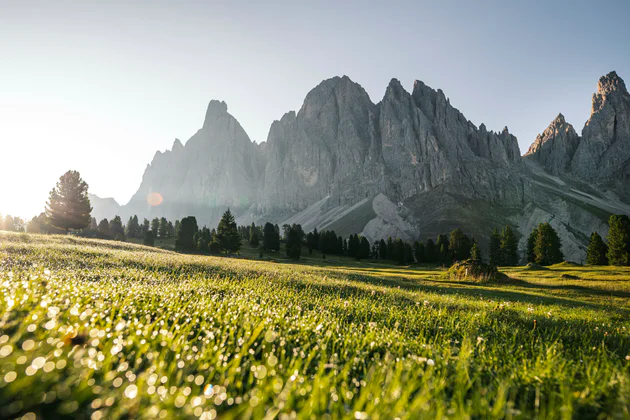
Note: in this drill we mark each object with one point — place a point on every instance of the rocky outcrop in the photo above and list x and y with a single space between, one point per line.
555 147
409 166
603 155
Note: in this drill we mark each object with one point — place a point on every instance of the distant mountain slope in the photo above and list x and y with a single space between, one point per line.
410 166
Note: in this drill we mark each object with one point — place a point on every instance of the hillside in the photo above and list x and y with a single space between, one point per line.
102 329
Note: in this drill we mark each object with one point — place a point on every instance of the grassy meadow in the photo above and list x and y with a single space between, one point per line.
100 329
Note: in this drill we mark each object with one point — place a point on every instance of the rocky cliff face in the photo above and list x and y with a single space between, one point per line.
555 147
409 166
604 152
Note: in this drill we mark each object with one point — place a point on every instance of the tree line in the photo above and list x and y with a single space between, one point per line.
68 208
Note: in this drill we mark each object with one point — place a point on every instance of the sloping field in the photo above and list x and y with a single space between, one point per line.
101 330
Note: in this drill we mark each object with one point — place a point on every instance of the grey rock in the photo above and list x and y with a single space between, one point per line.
555 147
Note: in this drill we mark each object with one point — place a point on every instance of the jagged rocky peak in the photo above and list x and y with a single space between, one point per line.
177 146
604 152
555 147
215 110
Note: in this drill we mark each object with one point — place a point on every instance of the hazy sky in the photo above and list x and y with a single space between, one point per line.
100 87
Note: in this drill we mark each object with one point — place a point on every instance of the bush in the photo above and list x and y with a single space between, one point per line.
476 271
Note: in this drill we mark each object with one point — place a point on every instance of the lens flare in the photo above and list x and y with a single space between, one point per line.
154 199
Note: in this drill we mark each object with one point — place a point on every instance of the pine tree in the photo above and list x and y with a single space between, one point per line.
293 243
418 252
547 249
68 205
227 234
149 240
596 251
430 251
459 245
382 249
163 228
146 226
269 237
93 223
353 246
390 249
133 228
618 240
509 247
116 229
495 248
364 247
155 225
185 239
442 246
531 244
103 228
475 252
254 240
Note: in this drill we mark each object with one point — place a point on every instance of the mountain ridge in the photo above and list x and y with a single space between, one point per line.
340 152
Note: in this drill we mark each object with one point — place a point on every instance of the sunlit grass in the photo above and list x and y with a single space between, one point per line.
97 329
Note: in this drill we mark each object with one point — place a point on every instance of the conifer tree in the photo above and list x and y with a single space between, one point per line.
596 251
475 252
227 234
293 243
382 249
103 228
155 226
509 247
185 239
68 205
459 245
531 244
418 252
254 240
271 238
442 250
364 247
116 229
163 228
618 240
149 240
547 249
495 248
430 251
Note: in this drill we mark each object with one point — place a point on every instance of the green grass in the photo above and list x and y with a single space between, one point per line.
101 329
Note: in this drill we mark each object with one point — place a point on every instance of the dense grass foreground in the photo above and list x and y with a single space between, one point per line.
105 330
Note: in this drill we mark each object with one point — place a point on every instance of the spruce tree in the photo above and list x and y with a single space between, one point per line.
364 247
116 229
442 246
475 252
382 249
430 251
459 245
254 240
163 228
495 248
418 252
547 249
149 240
185 239
509 247
618 240
155 225
68 205
596 251
293 243
227 234
271 239
531 244
103 228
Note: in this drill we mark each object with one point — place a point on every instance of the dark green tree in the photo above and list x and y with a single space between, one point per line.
254 240
547 249
399 251
68 205
271 238
149 240
146 226
132 230
475 252
531 245
430 251
103 228
390 249
509 247
185 239
163 228
618 240
364 248
294 243
227 234
116 229
494 254
382 249
459 245
596 251
155 226
442 247
353 246
418 252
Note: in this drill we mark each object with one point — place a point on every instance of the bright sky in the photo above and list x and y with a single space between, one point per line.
100 88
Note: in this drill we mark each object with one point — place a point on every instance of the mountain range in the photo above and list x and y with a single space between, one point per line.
410 166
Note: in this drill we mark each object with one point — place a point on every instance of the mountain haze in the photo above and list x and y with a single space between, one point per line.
409 166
